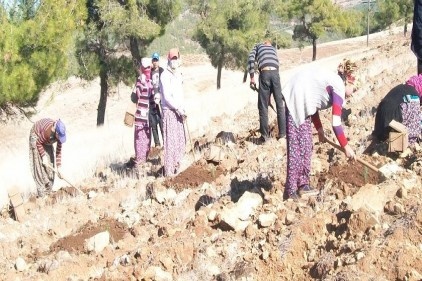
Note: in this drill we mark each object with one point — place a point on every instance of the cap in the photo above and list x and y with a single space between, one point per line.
145 62
155 56
61 131
174 52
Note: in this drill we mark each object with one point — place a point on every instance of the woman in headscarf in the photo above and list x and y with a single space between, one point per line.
402 104
174 114
142 96
307 92
44 133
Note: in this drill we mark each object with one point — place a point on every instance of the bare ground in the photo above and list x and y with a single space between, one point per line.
359 227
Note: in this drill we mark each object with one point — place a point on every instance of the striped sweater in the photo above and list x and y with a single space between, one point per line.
144 93
264 55
42 129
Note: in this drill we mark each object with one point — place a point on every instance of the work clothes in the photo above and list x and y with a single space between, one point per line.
402 104
155 118
41 143
307 92
265 56
299 153
173 126
142 132
416 44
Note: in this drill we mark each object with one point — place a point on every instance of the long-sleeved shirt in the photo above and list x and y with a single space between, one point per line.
144 96
171 85
42 129
264 55
312 89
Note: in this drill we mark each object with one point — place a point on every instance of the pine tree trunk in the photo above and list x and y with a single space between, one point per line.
219 70
134 49
103 96
314 49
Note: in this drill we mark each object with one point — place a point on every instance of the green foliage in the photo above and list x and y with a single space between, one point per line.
318 18
227 30
34 48
391 11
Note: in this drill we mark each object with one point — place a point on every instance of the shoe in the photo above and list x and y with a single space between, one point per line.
262 140
130 164
307 190
293 196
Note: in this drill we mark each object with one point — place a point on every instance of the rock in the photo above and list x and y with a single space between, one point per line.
157 274
92 194
402 193
360 221
237 217
359 256
290 218
20 264
266 220
97 242
165 195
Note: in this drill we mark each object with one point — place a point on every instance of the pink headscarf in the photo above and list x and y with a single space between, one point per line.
416 82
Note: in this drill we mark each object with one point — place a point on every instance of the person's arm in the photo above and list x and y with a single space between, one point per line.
336 119
59 154
318 126
169 94
251 61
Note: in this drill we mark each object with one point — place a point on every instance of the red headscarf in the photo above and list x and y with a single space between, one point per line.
416 82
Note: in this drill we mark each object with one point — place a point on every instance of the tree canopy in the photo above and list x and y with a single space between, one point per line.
34 46
227 30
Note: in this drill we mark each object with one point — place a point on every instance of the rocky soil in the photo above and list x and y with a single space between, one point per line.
227 220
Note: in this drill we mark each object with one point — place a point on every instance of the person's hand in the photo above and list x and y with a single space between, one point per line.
59 173
181 112
321 135
45 161
252 84
349 152
157 98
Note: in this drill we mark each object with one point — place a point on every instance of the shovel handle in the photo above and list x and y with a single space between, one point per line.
63 178
363 162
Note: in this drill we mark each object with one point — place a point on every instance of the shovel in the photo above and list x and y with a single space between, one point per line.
363 162
63 178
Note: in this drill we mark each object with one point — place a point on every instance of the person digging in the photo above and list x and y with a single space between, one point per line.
44 133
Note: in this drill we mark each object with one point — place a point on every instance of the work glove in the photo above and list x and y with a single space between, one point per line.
59 173
45 161
157 98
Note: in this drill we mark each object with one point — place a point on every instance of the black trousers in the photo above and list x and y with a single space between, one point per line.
419 66
269 82
155 120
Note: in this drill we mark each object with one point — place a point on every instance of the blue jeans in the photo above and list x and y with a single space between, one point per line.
269 82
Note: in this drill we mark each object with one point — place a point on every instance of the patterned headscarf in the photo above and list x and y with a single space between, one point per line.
416 82
346 70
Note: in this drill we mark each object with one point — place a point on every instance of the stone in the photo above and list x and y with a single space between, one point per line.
97 242
20 264
266 220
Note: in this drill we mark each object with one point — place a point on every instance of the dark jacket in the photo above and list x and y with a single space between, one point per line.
416 44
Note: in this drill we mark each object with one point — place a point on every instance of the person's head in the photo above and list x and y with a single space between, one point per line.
346 70
155 60
60 131
416 82
173 58
145 68
267 41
